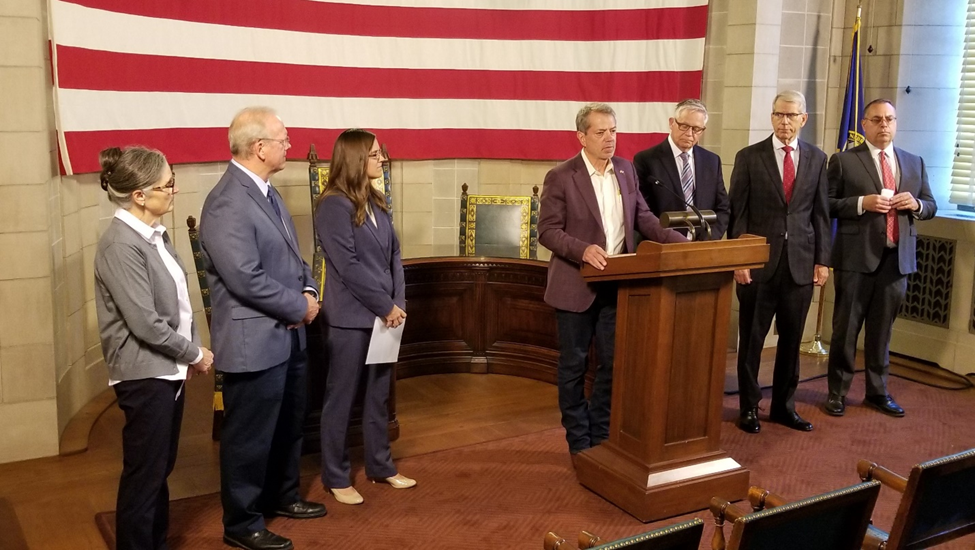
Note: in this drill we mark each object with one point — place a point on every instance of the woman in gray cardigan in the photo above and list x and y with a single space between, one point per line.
149 341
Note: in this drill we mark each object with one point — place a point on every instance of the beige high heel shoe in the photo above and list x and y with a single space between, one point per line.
347 495
398 481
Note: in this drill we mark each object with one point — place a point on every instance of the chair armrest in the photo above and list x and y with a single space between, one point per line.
553 541
722 510
761 499
875 539
871 470
588 540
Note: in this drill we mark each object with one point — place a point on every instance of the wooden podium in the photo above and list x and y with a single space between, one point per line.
663 455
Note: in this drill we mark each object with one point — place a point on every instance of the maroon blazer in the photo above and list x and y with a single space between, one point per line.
569 221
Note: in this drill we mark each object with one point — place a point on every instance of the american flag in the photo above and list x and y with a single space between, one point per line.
498 79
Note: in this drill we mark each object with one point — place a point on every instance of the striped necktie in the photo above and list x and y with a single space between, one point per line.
687 179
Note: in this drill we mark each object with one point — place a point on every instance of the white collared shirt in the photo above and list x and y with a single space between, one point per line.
610 203
894 171
680 163
154 236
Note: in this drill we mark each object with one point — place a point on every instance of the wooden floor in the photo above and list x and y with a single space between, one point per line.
50 503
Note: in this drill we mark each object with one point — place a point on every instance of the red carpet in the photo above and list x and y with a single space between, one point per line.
509 493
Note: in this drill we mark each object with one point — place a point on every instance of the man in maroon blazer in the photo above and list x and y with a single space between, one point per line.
590 205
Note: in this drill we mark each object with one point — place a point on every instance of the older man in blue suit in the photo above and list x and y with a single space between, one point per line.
263 295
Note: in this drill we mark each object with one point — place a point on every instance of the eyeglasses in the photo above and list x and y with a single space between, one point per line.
286 142
170 185
790 116
878 120
377 156
696 130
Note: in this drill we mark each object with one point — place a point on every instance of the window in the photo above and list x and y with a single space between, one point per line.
962 175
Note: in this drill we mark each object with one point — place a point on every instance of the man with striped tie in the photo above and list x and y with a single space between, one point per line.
779 191
876 192
678 167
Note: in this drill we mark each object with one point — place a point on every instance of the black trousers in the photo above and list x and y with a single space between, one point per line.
150 439
871 301
586 423
260 441
788 302
347 348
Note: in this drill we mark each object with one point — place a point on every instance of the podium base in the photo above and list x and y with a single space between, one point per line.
651 495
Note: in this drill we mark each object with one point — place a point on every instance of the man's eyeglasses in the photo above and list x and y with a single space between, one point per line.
170 185
696 130
878 120
790 116
286 142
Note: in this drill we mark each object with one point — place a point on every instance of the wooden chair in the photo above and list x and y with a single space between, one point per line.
680 536
317 181
201 276
836 520
499 226
937 503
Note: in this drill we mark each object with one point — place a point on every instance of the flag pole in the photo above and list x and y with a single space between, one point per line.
816 347
849 132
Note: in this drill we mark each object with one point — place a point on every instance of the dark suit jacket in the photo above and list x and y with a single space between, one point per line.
569 221
758 207
861 239
255 273
709 192
363 271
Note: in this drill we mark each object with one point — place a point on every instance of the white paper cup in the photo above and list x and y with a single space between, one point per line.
887 193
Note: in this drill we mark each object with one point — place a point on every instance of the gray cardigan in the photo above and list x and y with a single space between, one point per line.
137 307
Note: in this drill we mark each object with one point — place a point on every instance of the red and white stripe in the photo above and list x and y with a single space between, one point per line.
433 78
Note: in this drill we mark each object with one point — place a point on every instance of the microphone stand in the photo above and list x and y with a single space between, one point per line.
700 216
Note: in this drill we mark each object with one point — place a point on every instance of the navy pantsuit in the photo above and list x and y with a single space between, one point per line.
364 280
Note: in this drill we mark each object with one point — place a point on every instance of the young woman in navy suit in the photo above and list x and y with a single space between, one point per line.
363 282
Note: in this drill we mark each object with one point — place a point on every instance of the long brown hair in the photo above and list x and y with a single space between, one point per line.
347 173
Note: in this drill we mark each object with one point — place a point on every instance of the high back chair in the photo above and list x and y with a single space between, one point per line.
499 226
836 520
937 503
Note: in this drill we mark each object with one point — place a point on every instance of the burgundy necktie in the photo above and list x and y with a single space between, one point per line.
788 174
892 232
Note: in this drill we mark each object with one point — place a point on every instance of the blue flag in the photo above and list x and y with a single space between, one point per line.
851 131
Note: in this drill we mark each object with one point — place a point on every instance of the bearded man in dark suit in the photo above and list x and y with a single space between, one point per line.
590 205
779 191
876 192
678 167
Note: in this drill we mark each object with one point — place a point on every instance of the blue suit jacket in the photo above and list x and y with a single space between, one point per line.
363 270
255 273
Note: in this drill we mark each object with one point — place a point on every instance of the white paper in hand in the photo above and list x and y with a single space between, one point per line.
384 344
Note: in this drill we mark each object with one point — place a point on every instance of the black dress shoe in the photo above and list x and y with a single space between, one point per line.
791 420
748 421
835 405
261 540
301 509
884 404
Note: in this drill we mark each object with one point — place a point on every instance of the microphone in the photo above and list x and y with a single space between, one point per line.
695 218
